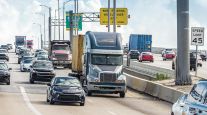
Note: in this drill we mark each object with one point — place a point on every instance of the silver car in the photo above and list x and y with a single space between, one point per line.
194 103
25 65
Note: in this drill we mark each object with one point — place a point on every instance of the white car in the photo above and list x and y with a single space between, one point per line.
25 65
194 103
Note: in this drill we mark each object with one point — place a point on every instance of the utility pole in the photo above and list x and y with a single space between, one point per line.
114 16
109 15
40 34
59 18
44 30
71 27
182 62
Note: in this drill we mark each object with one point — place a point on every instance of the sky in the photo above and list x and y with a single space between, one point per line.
155 17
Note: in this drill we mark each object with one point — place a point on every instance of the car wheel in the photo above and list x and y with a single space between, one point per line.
51 101
47 100
195 68
122 94
8 83
82 104
31 81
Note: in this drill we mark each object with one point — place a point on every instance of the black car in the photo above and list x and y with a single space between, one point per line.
4 54
4 73
133 54
5 47
203 57
65 89
41 71
192 62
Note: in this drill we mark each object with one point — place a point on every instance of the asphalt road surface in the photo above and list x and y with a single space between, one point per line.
23 98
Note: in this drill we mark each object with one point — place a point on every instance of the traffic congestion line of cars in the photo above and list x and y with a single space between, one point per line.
60 88
4 69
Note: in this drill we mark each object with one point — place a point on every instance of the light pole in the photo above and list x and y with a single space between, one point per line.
64 3
40 33
59 18
49 22
42 14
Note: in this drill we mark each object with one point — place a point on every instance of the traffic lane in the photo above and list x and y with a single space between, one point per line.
133 104
158 62
13 104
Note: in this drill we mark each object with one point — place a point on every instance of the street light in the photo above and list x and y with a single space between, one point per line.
40 33
42 14
64 3
49 23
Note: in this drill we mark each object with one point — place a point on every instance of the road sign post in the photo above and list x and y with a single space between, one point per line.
197 39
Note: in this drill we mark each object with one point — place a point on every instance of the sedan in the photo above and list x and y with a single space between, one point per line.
146 56
65 89
4 73
41 71
133 54
168 55
25 65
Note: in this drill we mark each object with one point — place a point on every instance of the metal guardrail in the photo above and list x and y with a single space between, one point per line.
149 70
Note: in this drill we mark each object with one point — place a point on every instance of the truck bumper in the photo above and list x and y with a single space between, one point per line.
106 87
61 63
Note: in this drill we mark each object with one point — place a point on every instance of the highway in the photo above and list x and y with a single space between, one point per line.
23 98
158 62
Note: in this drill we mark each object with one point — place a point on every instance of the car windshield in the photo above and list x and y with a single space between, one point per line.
134 52
27 61
169 52
60 47
42 64
42 53
71 82
146 53
107 59
3 66
3 51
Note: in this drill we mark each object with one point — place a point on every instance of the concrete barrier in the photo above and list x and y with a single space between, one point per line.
154 89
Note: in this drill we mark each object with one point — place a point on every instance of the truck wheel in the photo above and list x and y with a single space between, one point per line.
31 81
69 66
122 94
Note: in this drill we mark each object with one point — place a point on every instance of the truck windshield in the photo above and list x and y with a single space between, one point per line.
101 59
60 47
29 43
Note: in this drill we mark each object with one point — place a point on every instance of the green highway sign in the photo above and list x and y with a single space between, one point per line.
77 21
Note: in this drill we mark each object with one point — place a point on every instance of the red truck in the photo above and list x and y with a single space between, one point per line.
30 44
60 53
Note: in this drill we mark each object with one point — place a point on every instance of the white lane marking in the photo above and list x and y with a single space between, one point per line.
27 101
112 113
89 100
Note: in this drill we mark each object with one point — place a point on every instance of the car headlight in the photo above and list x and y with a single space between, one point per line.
121 79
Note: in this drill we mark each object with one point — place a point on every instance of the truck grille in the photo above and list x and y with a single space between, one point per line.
61 56
108 77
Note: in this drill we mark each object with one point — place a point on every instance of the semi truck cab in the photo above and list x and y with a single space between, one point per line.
103 63
60 53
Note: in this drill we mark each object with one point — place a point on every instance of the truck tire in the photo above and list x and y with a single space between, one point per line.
122 94
31 81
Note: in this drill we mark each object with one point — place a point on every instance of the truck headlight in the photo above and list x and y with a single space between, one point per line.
121 79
